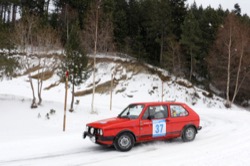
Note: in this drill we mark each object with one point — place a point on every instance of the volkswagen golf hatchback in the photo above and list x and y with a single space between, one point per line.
148 121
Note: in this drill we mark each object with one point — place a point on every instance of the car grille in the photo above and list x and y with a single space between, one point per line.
95 131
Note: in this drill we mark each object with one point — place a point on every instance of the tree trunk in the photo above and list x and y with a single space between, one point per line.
47 7
228 103
27 67
1 12
96 33
173 60
40 82
236 89
9 11
14 14
4 13
191 65
161 54
73 97
33 104
39 87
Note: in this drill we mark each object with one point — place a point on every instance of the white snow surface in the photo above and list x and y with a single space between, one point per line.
27 137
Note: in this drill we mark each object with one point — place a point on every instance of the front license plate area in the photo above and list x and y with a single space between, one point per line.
93 139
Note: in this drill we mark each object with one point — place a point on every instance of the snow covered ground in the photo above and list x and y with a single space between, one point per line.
28 137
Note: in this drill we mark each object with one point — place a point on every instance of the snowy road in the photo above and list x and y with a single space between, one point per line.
224 140
27 137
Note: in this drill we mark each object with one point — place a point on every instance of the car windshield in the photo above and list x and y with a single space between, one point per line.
132 111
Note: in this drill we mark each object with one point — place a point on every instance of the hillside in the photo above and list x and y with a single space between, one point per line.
132 81
192 43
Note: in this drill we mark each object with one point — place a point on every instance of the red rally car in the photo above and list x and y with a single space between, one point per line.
148 121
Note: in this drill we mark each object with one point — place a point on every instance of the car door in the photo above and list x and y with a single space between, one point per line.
177 120
153 122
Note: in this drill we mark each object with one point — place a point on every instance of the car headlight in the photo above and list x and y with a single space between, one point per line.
100 132
92 130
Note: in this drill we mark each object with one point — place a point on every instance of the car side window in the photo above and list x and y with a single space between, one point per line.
178 111
156 112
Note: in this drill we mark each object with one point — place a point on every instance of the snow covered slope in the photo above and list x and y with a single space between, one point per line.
133 81
30 137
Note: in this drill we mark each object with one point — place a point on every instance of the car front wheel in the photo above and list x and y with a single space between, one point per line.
124 142
188 134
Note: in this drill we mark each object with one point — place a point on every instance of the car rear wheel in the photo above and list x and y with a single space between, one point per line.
188 134
124 142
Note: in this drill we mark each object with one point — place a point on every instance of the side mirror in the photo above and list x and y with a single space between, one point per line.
150 117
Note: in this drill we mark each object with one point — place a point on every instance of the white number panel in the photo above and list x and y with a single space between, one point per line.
159 128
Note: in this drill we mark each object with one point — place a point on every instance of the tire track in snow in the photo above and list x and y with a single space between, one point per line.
217 143
47 156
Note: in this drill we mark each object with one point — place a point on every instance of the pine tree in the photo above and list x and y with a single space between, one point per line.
191 39
237 9
134 39
209 22
150 33
75 61
8 66
163 24
120 24
178 14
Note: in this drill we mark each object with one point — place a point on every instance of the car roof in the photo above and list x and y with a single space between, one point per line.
159 103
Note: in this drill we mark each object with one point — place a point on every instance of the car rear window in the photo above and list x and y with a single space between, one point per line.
178 111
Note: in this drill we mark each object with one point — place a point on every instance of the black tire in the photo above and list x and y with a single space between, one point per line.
124 142
188 134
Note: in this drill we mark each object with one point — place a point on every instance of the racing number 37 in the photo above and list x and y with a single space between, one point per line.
159 128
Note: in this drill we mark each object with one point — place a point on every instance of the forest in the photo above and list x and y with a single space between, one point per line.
209 47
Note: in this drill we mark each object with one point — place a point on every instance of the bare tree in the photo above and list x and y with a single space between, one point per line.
28 35
46 40
46 6
14 12
23 38
228 59
105 30
97 35
24 32
27 64
172 58
40 81
228 44
19 37
46 65
105 36
95 50
241 48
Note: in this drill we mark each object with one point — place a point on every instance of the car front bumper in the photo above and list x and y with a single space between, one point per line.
98 138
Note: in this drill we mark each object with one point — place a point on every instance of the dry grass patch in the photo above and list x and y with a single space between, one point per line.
52 86
32 69
185 84
101 88
43 75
